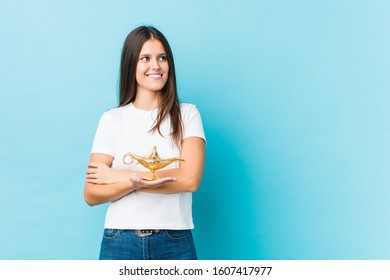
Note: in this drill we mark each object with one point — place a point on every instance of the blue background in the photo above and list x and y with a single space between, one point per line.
294 97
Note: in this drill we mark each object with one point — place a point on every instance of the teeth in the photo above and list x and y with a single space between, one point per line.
154 76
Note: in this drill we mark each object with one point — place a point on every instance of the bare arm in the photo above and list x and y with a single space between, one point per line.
104 184
100 193
119 184
189 174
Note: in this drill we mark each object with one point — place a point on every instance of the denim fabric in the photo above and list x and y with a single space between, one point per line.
118 244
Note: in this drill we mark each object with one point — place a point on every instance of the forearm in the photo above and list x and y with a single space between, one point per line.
105 184
95 194
185 182
189 175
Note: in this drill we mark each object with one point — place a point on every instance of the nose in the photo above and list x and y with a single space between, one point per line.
155 64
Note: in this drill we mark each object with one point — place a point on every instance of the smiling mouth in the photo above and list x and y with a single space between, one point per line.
154 76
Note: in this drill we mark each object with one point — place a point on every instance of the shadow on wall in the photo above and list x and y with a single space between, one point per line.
225 217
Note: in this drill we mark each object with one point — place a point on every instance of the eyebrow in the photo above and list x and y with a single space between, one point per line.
146 54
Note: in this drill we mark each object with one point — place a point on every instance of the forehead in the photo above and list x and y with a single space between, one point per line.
152 46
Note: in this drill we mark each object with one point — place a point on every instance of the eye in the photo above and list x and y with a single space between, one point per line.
163 58
145 58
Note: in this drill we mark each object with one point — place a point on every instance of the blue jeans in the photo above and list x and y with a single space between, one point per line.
118 244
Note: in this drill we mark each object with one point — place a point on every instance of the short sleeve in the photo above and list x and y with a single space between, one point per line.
192 121
103 141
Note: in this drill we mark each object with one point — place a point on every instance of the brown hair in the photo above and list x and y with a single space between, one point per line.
169 101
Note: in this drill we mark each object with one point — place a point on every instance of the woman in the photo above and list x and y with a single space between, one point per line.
147 219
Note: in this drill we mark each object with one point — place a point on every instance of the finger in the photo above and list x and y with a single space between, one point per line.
94 164
93 181
91 176
96 181
158 182
164 180
136 178
91 170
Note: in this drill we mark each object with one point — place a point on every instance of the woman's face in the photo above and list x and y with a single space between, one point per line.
152 67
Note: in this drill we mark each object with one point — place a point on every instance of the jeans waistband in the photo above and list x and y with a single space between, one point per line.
146 232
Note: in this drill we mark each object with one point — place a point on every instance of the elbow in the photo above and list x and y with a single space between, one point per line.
88 197
193 185
90 203
89 200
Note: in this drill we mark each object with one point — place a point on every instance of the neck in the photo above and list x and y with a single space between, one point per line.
146 100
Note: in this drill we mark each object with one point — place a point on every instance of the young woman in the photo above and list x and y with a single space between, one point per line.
147 219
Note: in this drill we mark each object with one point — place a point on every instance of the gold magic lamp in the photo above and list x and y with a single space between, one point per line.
152 162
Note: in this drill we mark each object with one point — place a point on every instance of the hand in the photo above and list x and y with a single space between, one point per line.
99 173
140 183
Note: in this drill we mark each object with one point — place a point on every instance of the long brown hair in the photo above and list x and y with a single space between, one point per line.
169 101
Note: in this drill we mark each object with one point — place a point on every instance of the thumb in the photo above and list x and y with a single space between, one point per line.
136 178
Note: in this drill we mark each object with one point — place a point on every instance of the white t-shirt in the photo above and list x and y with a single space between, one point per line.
126 129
